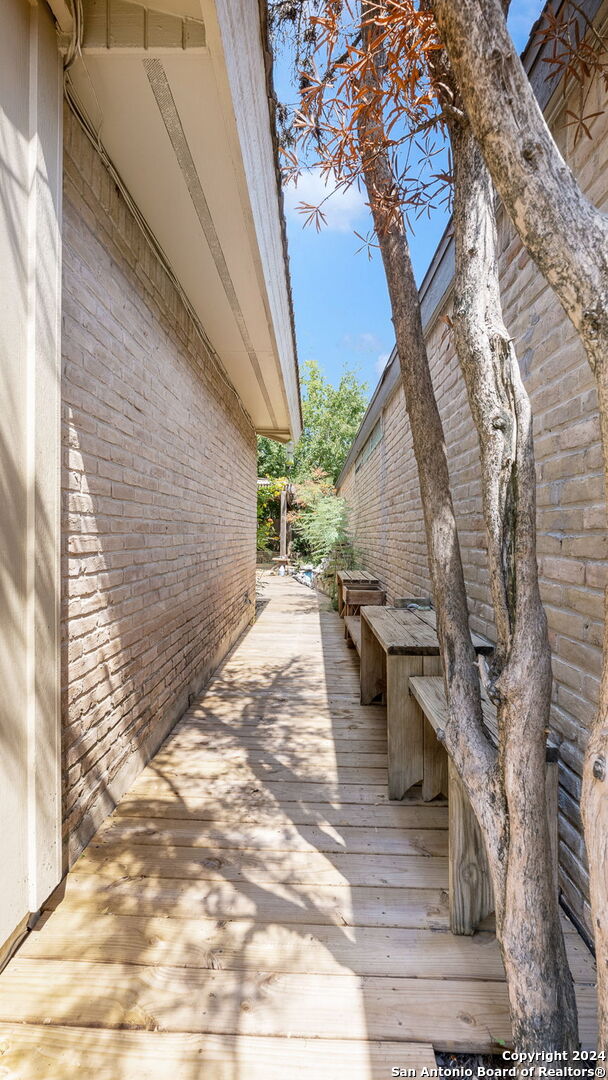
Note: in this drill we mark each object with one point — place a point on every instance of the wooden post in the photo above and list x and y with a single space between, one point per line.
283 524
435 778
470 885
372 665
404 726
339 592
551 794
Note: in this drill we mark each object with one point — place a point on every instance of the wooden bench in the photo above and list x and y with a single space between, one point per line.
470 886
361 578
396 644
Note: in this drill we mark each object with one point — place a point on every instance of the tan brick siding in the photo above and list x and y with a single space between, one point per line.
385 510
159 490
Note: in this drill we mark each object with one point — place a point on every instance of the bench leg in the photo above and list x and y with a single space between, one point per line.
372 665
435 778
404 724
470 887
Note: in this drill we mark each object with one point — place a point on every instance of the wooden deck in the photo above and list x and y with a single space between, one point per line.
256 909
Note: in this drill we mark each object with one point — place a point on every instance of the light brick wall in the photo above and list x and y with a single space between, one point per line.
385 510
159 489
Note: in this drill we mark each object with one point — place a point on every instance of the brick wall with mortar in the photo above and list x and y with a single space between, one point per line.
381 490
159 500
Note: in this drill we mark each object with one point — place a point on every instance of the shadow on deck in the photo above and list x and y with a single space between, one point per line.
255 907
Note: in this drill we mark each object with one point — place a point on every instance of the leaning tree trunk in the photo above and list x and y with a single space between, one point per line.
541 990
567 237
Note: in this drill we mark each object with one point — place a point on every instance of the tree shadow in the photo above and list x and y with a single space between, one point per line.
230 880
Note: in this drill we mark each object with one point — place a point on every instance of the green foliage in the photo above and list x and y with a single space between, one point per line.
320 523
269 506
275 459
342 557
331 416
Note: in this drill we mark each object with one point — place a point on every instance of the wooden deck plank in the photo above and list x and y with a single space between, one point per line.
171 832
297 867
275 742
230 757
71 1053
260 791
451 1013
320 905
249 946
278 722
196 807
261 1003
306 772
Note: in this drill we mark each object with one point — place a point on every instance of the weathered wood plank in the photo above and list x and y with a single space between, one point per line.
352 577
250 946
481 643
400 632
275 742
407 814
200 768
357 577
403 726
435 761
373 665
263 867
169 832
212 758
175 999
352 625
470 889
320 905
262 791
472 1013
36 1052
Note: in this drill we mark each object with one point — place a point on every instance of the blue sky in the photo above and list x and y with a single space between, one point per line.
340 300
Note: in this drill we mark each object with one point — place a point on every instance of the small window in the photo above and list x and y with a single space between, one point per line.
371 444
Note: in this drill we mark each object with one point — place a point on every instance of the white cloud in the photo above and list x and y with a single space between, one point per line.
344 209
362 343
381 363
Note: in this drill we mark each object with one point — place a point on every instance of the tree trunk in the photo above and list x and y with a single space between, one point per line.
541 990
567 238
